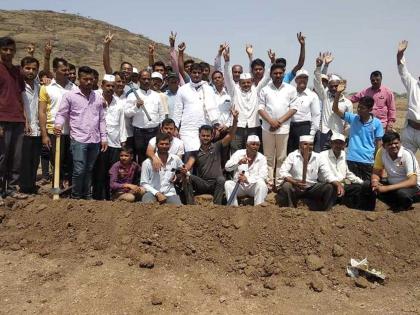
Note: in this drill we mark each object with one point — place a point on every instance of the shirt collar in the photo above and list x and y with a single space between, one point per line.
332 155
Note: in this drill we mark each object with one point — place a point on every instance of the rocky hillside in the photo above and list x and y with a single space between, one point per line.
76 38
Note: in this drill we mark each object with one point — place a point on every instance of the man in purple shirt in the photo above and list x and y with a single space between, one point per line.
384 106
83 108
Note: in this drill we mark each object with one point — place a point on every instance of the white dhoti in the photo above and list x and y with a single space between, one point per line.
190 139
258 190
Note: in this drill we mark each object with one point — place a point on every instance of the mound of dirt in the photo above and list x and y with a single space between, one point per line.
266 247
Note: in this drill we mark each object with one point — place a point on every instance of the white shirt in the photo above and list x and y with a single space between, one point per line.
254 172
55 92
399 169
224 104
160 181
30 103
293 167
170 100
277 102
153 105
176 148
194 108
412 86
338 167
115 123
128 120
329 119
246 103
308 109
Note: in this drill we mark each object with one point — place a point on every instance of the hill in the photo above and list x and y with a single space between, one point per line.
76 38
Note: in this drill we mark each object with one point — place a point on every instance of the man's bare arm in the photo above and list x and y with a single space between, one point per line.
105 56
301 61
402 46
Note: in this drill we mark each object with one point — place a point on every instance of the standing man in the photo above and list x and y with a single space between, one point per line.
195 105
116 138
364 137
32 140
208 164
84 110
159 185
172 81
251 172
12 120
384 107
144 130
276 107
306 119
50 97
319 196
410 136
403 173
329 122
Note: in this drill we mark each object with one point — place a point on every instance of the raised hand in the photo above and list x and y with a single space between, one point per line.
271 55
172 39
402 46
108 38
181 47
48 48
222 47
249 50
152 48
226 54
234 113
300 38
31 49
320 60
328 57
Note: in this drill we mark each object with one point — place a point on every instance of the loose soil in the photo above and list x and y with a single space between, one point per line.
91 257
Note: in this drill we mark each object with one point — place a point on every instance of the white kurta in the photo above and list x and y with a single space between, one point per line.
115 123
194 108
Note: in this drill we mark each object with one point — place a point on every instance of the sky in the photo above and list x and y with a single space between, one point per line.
363 35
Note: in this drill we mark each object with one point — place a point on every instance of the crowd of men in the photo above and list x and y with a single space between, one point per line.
170 132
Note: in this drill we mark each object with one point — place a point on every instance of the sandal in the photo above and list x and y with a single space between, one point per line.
18 195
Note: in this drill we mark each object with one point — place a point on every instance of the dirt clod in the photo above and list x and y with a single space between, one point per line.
156 300
147 261
316 284
314 262
361 282
337 250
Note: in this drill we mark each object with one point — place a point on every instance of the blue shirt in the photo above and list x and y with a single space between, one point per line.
288 77
362 138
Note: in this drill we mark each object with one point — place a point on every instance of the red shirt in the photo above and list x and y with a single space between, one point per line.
11 87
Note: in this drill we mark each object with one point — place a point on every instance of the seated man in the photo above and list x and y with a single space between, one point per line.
159 185
176 147
124 178
251 171
207 161
318 196
403 174
357 194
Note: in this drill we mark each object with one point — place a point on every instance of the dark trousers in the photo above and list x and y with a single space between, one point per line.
11 140
361 170
297 129
239 142
322 141
84 157
66 159
141 141
31 152
197 185
358 196
100 175
401 199
45 162
319 197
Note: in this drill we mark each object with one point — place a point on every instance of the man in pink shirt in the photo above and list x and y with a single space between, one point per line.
83 109
384 106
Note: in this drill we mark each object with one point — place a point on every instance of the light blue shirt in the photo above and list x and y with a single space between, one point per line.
288 77
362 138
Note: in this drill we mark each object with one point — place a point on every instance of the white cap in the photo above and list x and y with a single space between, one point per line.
157 75
135 70
338 136
324 76
109 78
245 76
306 139
302 73
334 77
253 138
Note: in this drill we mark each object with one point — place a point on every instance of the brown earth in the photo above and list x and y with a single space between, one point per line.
78 257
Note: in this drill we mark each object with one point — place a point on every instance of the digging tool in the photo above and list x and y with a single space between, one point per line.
139 99
305 162
56 189
234 192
